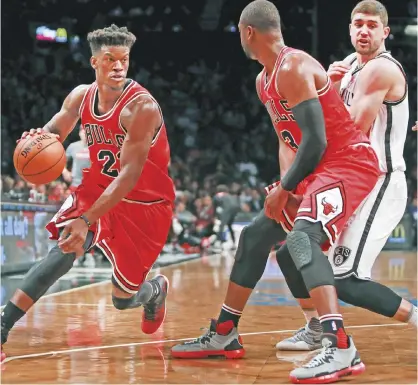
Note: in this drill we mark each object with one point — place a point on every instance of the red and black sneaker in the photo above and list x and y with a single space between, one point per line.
154 311
220 340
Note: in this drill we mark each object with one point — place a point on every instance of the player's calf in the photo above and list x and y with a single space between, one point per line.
151 295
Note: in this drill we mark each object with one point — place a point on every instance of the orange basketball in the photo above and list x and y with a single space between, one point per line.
39 158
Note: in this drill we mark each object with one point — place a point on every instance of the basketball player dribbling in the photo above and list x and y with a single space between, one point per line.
337 168
124 203
373 87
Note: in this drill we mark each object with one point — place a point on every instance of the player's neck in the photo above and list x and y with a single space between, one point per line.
268 56
363 59
108 95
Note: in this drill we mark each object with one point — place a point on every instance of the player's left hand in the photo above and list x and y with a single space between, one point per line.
73 237
415 128
275 202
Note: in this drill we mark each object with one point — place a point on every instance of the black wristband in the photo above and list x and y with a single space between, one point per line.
84 218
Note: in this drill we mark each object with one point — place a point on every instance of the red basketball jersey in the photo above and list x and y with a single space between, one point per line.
340 129
105 135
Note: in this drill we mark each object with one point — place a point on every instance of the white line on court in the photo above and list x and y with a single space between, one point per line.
67 351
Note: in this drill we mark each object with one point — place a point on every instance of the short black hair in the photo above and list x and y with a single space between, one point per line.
261 14
110 36
222 188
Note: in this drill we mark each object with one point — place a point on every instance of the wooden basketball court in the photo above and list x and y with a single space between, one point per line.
78 337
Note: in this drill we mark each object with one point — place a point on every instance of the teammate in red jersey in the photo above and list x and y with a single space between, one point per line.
334 170
124 203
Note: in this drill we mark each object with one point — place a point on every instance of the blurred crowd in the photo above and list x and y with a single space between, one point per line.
219 131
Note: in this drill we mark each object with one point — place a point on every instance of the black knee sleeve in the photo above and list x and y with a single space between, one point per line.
304 244
369 295
44 274
255 243
47 271
121 303
291 274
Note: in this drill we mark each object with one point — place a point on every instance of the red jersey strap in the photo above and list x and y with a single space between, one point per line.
120 102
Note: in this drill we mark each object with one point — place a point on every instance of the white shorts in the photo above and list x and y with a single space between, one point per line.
367 231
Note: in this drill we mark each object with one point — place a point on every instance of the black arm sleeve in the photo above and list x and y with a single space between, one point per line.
310 119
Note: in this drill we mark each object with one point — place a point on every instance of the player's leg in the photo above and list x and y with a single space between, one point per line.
357 248
255 243
46 272
132 251
339 354
309 336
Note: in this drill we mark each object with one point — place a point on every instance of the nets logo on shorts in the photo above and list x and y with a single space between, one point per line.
341 254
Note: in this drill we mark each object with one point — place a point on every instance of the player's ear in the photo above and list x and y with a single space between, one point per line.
93 62
386 31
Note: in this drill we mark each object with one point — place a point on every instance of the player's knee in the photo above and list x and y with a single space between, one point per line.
304 244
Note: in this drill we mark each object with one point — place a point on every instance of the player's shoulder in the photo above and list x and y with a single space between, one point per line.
258 80
80 91
296 61
76 96
384 67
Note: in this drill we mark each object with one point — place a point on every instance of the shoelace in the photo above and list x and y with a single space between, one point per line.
303 335
325 356
207 336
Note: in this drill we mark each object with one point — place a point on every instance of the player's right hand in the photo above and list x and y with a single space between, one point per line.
337 70
34 131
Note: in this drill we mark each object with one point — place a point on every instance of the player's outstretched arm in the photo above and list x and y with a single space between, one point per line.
141 119
375 81
64 121
296 83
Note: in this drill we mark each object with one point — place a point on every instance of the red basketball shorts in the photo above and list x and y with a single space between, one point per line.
335 190
131 235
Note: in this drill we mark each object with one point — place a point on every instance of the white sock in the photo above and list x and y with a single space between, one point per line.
413 318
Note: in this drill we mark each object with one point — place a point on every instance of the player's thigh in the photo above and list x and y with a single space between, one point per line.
367 231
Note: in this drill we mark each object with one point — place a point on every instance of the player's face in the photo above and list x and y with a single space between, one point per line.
246 34
111 65
367 33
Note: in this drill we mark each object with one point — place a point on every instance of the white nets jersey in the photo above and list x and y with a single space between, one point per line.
389 130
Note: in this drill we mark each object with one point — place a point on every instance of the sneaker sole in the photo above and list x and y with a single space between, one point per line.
165 304
299 347
333 377
230 354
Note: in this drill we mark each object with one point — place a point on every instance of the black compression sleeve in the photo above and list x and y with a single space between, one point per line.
310 119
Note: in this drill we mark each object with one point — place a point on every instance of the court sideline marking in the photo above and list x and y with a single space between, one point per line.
67 351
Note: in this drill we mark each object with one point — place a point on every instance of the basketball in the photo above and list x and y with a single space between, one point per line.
39 158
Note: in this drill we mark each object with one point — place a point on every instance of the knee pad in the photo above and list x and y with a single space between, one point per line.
291 274
304 247
255 243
